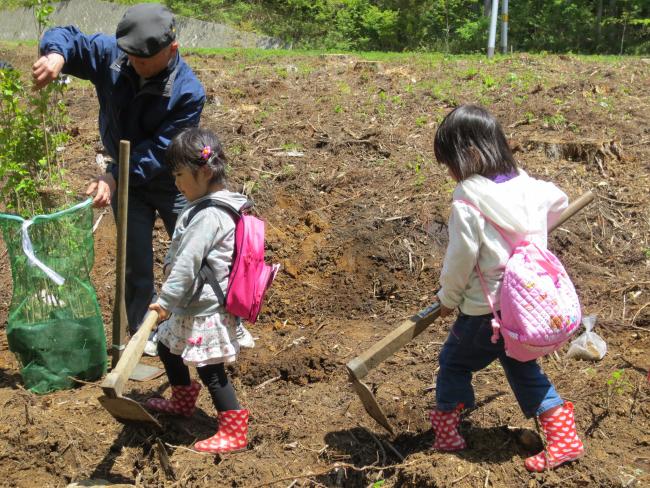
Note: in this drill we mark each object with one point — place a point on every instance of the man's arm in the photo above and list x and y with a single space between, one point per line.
68 50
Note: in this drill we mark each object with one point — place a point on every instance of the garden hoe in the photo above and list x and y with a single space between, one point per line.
361 365
122 408
125 360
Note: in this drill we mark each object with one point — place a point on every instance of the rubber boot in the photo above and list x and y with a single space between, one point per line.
231 436
562 442
445 426
182 401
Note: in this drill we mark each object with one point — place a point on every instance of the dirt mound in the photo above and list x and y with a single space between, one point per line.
337 154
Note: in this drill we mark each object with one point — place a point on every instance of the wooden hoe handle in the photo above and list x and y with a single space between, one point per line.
115 380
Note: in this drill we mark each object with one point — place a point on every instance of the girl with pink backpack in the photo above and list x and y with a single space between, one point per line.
196 328
495 204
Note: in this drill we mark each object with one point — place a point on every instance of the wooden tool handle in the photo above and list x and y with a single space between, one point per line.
411 328
115 380
405 332
120 320
573 208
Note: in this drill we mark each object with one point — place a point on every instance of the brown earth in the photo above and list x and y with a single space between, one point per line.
358 222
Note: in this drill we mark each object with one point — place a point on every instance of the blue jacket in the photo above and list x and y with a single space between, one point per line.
148 117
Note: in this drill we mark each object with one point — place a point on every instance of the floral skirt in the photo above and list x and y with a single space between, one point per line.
201 340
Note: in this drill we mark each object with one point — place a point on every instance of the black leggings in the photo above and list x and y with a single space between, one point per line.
213 376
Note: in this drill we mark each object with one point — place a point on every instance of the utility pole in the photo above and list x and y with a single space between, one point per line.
493 28
504 27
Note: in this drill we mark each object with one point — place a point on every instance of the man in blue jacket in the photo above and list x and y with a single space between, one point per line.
147 94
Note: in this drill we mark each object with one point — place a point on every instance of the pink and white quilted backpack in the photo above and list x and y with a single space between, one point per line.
540 309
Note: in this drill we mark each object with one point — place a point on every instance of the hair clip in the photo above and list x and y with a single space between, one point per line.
206 153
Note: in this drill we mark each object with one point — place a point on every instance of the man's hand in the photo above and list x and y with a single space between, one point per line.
103 188
162 313
444 311
46 69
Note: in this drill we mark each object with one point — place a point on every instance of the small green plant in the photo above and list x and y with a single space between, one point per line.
236 149
617 384
261 117
344 88
489 81
605 103
469 73
288 169
448 187
251 187
236 93
646 252
417 166
421 121
557 121
378 483
291 146
512 78
338 109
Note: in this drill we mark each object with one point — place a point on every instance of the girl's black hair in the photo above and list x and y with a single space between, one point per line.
470 141
195 147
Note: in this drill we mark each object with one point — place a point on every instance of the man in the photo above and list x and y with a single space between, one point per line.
147 94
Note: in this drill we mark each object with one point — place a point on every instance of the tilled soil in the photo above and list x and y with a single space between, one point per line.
336 152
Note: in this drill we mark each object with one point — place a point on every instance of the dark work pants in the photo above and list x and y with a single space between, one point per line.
213 376
160 196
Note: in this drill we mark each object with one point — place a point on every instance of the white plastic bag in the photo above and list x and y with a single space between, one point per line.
588 345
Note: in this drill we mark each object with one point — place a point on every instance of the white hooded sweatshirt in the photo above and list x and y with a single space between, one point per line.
523 207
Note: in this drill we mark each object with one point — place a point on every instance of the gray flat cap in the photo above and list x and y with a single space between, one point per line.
145 29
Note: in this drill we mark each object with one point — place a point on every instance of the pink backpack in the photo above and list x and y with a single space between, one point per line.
540 309
250 276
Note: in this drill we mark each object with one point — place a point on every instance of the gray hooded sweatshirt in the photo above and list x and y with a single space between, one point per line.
210 234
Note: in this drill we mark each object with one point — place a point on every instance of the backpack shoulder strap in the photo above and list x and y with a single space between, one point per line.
206 273
211 202
496 321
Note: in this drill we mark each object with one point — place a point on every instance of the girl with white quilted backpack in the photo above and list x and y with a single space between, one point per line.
495 203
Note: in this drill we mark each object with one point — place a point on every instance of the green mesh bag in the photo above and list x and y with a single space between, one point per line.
54 327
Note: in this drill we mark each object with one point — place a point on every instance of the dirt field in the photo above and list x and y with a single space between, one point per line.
337 154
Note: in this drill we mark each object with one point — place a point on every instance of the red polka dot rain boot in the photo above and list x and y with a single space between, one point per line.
182 401
562 442
231 436
445 426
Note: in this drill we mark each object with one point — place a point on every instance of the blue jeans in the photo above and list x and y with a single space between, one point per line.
161 196
468 349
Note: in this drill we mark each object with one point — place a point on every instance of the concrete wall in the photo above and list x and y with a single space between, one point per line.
95 16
